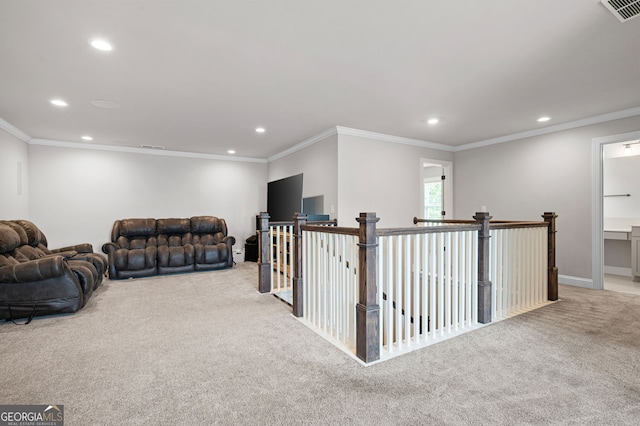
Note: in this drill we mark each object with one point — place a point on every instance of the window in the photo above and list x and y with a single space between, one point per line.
433 198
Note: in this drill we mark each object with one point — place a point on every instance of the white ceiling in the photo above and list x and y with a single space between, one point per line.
200 76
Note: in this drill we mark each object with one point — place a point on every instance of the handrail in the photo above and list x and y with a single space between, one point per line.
493 224
330 229
281 223
472 226
513 225
333 222
452 221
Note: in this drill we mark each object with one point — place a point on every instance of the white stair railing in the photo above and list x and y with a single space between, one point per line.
518 269
330 281
415 286
281 239
427 288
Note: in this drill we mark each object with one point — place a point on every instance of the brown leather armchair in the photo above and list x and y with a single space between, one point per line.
43 286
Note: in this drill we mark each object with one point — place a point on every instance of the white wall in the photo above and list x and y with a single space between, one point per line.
14 177
319 165
621 175
381 177
522 179
77 194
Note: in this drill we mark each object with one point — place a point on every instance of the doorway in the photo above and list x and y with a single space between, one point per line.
436 189
621 211
597 197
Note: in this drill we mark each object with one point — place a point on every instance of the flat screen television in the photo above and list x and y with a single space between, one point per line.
284 198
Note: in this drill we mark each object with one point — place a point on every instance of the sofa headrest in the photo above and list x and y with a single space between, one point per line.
24 240
34 235
208 225
173 226
137 227
9 239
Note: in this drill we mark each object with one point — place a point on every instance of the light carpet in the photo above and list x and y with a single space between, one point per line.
207 348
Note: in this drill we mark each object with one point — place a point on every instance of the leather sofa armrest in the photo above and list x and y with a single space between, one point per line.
68 254
34 270
109 247
80 248
229 240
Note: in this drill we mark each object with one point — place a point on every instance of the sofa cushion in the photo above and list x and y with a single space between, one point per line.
24 239
208 230
174 232
136 259
138 227
35 236
9 239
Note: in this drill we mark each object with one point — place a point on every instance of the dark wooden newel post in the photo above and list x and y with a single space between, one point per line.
264 263
299 220
552 270
484 285
367 309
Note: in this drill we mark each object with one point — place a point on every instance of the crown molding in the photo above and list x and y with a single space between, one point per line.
161 152
393 139
305 143
337 130
5 125
616 115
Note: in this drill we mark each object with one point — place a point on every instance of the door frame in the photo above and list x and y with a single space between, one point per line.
447 188
597 204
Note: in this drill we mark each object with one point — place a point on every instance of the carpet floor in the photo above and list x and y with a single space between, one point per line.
207 348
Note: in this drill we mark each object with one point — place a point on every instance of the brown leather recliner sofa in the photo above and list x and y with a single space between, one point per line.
146 247
35 281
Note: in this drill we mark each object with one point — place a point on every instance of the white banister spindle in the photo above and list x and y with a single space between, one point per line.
415 291
454 280
425 284
447 282
472 302
289 260
463 277
433 254
406 299
390 293
278 257
398 291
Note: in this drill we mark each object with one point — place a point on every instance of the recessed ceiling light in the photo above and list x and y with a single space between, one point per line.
260 129
433 121
59 102
231 151
543 119
87 138
101 103
101 45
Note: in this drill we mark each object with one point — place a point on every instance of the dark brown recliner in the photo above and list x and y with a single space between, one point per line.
175 251
213 247
80 255
30 288
132 251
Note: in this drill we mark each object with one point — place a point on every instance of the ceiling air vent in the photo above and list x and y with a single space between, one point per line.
152 146
623 9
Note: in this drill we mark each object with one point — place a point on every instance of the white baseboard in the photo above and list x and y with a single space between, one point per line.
615 270
575 281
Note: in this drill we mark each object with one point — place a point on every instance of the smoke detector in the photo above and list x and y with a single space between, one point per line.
624 10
